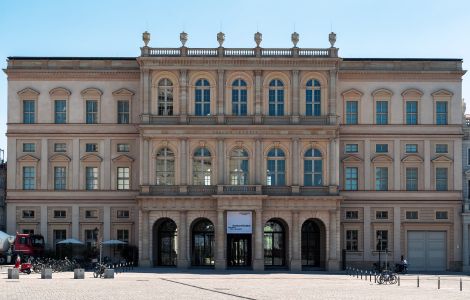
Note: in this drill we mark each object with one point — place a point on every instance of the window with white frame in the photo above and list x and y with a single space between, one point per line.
276 167
28 214
202 167
313 168
313 98
123 116
239 167
60 111
123 235
276 98
123 147
381 148
29 111
351 148
411 215
122 214
91 107
411 112
411 148
381 112
442 148
239 98
91 147
202 98
165 97
442 215
123 178
382 240
60 147
441 112
165 167
441 179
411 179
29 178
60 178
29 147
352 215
352 112
60 214
352 240
381 215
351 179
381 178
91 178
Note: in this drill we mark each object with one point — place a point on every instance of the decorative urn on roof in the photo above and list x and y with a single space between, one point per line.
332 39
294 38
258 38
220 38
183 38
146 38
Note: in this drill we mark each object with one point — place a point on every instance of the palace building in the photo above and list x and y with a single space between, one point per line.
261 158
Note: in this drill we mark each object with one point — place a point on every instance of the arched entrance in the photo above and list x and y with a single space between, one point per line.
313 244
165 243
203 243
274 244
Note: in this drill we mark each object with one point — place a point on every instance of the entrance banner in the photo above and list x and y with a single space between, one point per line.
239 222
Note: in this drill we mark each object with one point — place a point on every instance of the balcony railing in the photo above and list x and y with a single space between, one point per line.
240 52
208 190
234 120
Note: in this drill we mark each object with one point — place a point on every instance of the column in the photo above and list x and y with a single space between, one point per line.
457 165
295 162
75 163
258 162
12 166
145 88
258 262
107 223
43 225
144 238
220 162
182 255
427 165
183 92
220 92
396 165
220 261
396 234
332 94
333 159
333 255
258 92
145 160
295 111
183 162
367 178
367 234
75 222
465 242
296 263
43 162
106 171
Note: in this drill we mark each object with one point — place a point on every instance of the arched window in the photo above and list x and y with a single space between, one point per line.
239 167
165 167
202 167
203 243
313 168
202 98
313 98
165 97
276 98
274 244
276 167
239 98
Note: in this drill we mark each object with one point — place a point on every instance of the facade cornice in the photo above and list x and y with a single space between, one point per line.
71 75
386 75
403 196
431 131
68 129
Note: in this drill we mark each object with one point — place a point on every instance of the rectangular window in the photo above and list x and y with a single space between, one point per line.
381 148
381 215
91 178
28 214
382 240
441 179
351 112
412 215
91 237
29 111
411 179
91 213
441 112
381 112
29 178
60 111
381 179
123 147
60 178
60 214
352 148
352 240
352 215
123 235
442 215
91 111
123 112
29 147
58 235
351 179
411 112
60 147
123 178
28 231
441 148
91 147
122 214
411 148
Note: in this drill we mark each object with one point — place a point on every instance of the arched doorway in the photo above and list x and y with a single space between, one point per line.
165 243
274 244
203 243
313 244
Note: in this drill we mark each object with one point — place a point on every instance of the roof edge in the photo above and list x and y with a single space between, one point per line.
68 58
402 59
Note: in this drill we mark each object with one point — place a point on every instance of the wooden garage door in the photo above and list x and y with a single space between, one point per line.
427 250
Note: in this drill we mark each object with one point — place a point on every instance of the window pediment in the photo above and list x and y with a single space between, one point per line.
442 93
91 93
382 158
59 158
352 158
123 158
352 94
467 173
412 94
412 158
28 158
28 93
442 159
123 92
382 93
60 92
91 158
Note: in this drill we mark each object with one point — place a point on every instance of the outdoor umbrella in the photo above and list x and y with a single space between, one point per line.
70 242
114 243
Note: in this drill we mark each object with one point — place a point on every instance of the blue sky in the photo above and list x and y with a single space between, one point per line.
368 28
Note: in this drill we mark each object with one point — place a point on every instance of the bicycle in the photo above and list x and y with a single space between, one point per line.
387 277
98 270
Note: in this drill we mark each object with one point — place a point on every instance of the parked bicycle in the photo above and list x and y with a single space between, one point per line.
387 277
98 270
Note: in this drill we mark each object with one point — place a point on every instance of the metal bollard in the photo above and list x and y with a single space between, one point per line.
460 283
361 274
417 280
438 282
375 277
398 280
370 276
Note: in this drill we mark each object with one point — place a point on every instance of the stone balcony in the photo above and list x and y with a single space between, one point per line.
149 119
209 190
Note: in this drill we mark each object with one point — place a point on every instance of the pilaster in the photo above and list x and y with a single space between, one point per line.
367 178
220 162
258 159
295 161
183 94
182 258
258 262
396 234
44 164
258 92
295 96
220 261
183 162
296 262
427 165
396 164
75 163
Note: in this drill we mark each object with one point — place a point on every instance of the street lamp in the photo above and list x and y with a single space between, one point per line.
98 240
379 246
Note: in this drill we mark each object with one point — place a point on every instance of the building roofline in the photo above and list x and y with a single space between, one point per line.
67 58
402 59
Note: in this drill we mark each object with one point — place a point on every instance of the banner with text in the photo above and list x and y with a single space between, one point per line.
239 222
